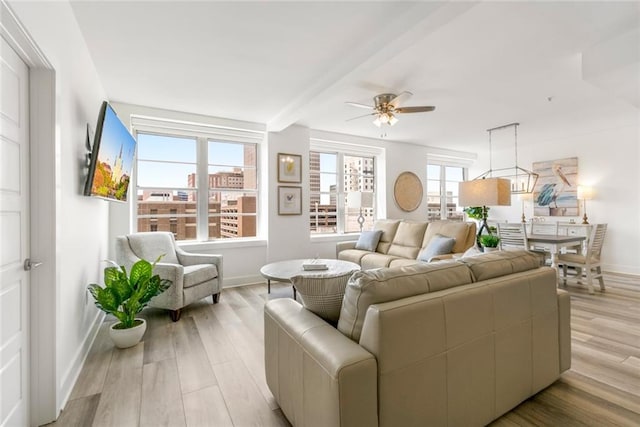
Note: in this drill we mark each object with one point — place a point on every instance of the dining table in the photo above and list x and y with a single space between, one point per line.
553 244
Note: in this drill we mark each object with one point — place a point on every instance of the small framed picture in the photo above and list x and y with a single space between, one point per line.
289 168
289 200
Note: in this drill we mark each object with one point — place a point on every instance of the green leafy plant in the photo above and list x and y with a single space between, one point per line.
489 240
124 295
474 212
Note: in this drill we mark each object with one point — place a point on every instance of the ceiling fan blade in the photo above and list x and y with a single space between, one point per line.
422 109
400 98
359 117
356 104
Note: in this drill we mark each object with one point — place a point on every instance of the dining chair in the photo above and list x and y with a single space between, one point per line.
512 236
587 262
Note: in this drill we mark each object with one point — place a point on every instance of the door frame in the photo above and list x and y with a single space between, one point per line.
44 400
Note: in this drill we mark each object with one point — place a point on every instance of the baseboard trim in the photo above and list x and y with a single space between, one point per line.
233 282
71 376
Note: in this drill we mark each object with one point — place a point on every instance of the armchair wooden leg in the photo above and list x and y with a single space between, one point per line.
175 314
216 297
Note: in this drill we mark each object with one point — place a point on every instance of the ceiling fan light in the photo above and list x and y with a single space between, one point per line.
377 122
384 117
392 120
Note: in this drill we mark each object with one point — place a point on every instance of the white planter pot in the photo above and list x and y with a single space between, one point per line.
124 338
488 249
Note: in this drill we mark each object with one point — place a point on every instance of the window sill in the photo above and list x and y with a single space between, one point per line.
214 245
319 238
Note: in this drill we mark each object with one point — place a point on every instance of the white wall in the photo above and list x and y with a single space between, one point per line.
608 161
82 223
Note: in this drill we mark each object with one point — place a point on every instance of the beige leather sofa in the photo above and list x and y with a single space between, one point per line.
402 241
455 343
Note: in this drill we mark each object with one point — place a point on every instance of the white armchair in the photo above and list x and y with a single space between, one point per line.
194 276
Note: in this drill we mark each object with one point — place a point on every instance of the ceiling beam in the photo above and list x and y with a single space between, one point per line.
394 37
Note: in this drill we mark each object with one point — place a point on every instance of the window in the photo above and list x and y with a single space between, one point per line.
332 175
442 192
196 186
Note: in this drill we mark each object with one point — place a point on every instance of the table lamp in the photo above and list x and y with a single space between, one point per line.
524 197
485 192
585 193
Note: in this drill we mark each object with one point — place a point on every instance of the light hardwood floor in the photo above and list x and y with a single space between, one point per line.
207 369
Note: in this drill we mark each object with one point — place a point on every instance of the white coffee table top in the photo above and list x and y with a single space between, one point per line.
284 270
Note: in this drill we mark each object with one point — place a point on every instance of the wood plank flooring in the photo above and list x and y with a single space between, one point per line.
207 369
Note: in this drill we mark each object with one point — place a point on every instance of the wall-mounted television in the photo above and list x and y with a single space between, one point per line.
111 161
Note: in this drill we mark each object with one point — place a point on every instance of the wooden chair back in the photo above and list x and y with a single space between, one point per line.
596 240
512 236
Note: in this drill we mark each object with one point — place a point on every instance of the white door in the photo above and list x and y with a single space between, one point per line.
14 239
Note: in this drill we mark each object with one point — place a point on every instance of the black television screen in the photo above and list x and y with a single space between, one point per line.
111 158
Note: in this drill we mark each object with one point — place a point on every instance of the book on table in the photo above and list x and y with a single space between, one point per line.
314 264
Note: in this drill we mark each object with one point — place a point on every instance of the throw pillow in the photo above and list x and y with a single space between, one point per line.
368 240
322 294
439 245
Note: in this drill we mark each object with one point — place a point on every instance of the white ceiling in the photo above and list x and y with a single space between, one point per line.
482 64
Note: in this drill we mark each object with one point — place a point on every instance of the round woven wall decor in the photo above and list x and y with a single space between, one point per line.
407 191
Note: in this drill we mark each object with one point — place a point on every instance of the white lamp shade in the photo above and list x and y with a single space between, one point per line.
584 192
485 192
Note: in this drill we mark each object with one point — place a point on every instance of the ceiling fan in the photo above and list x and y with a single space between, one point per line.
387 105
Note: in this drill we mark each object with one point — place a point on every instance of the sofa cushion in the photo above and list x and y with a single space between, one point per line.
322 294
390 284
408 239
400 262
368 240
500 263
388 227
376 260
439 245
353 255
463 232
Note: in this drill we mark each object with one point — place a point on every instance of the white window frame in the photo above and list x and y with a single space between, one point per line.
202 133
341 150
443 164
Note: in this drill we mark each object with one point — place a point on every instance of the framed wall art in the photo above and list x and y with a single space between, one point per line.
555 193
289 168
289 200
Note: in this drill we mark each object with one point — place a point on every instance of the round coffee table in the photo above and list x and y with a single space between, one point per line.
283 271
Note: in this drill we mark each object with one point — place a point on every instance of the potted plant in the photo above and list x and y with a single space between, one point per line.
124 296
489 242
475 212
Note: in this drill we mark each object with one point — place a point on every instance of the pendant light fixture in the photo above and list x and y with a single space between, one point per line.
522 180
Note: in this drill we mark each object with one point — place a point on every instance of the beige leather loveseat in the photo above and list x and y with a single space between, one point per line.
402 241
455 343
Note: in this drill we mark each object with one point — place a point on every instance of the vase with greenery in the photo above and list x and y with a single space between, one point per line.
125 295
489 242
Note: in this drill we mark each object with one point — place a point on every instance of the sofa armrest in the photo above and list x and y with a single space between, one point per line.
564 329
341 246
172 298
317 375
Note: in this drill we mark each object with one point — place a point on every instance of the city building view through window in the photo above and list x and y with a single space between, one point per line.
442 192
170 194
357 175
